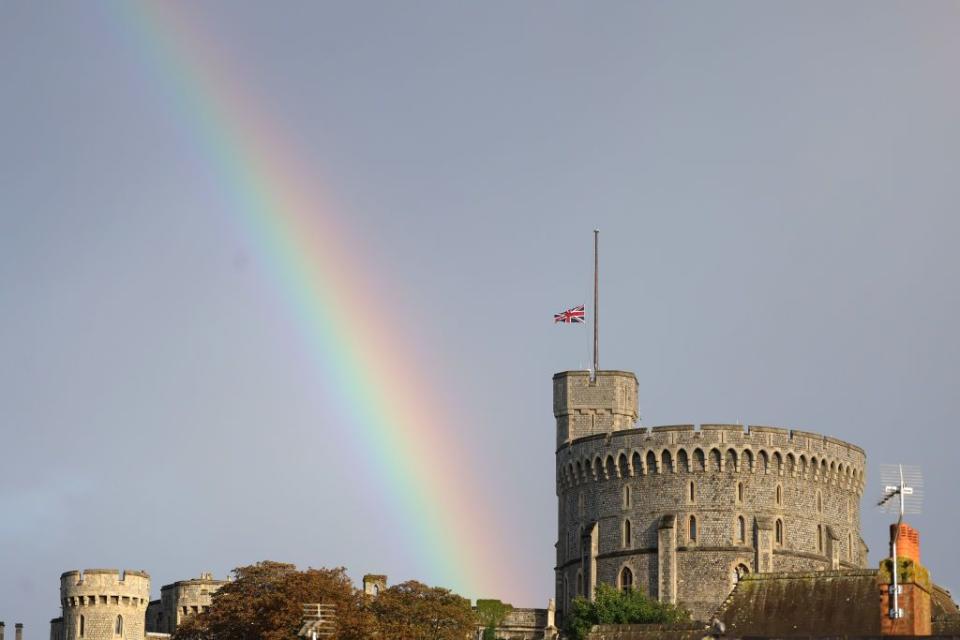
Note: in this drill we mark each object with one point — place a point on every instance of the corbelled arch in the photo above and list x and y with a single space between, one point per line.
747 459
732 462
636 463
666 462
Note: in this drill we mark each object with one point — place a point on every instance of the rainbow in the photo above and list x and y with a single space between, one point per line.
310 256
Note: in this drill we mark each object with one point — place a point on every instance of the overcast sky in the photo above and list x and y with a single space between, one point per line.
776 186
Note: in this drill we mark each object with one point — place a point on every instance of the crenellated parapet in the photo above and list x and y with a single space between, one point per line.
713 448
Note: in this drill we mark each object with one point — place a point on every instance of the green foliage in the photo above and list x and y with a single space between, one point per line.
491 614
611 606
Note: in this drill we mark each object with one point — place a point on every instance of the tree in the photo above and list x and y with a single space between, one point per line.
490 614
265 602
414 611
611 606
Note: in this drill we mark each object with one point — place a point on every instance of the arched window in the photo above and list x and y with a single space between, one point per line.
819 503
779 532
715 460
580 583
682 460
739 492
627 537
82 626
692 493
740 572
626 579
626 497
741 530
820 538
692 529
779 495
651 462
118 630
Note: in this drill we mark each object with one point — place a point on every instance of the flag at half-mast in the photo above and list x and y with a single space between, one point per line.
575 314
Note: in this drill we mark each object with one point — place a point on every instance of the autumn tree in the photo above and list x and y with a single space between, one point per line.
265 602
414 611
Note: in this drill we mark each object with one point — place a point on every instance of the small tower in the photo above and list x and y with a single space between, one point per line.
585 407
103 604
374 585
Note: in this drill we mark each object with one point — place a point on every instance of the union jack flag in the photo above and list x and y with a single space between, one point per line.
570 315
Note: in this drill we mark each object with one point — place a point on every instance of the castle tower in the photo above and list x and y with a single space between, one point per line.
180 600
682 512
103 604
585 407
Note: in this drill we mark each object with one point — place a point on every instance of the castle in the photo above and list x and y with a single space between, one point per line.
741 523
685 513
98 604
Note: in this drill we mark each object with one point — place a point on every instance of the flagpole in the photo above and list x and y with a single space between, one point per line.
596 298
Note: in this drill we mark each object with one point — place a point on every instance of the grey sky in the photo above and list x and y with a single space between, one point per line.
776 186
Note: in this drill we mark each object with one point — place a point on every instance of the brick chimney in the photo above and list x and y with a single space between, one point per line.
908 544
18 631
2 629
914 614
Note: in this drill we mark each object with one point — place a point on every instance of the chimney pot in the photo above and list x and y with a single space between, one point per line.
18 628
908 544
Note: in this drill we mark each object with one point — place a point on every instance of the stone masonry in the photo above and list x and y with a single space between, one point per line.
683 512
179 601
102 604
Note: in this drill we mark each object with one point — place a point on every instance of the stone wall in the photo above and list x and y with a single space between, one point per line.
98 602
797 493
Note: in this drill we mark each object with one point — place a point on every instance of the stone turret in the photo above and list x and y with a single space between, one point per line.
373 584
104 604
585 406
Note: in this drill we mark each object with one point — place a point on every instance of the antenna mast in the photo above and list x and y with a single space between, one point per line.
895 485
596 298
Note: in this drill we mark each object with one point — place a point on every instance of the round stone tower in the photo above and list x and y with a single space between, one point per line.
103 604
682 512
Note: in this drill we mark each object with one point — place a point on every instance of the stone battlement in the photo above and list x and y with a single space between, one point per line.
712 447
96 581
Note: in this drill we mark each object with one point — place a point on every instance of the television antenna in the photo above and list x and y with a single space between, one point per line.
902 493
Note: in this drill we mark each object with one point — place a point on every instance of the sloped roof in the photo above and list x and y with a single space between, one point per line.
823 603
